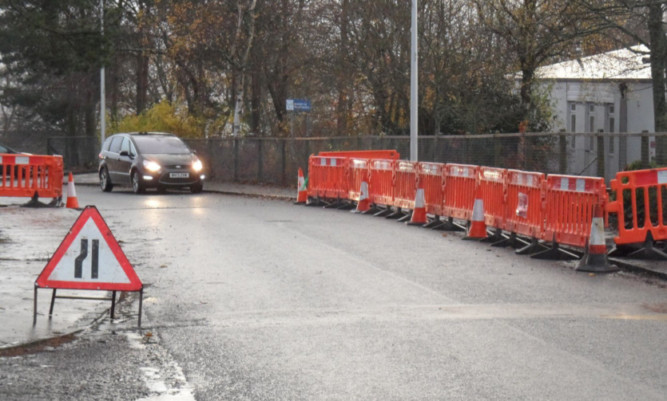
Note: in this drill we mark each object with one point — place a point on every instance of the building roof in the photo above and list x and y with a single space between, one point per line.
622 64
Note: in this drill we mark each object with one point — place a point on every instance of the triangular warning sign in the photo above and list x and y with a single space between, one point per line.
89 258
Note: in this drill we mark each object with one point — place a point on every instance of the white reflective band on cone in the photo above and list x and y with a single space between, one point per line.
419 202
478 210
364 191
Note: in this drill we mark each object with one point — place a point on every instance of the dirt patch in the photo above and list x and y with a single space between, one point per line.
657 308
38 346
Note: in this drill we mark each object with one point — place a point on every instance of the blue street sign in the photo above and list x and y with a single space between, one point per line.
297 105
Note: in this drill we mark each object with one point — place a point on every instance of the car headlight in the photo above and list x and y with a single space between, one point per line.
197 166
151 166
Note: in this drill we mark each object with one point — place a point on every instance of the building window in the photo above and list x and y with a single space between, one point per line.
573 123
612 123
612 145
573 107
591 108
611 109
591 121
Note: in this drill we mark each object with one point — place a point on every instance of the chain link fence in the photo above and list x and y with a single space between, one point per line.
276 160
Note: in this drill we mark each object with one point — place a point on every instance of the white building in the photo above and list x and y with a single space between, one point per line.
609 92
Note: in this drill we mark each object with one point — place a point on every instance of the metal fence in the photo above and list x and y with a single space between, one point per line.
276 160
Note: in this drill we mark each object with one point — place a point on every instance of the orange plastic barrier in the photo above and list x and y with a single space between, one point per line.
405 184
641 205
364 154
432 177
569 202
23 175
493 184
381 187
328 177
460 186
524 203
357 168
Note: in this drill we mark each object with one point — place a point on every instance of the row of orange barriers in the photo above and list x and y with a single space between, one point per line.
557 209
23 175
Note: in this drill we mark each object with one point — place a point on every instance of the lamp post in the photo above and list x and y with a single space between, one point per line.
103 106
414 93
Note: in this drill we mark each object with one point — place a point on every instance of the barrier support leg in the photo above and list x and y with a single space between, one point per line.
555 253
495 237
508 240
435 223
372 210
383 212
648 250
398 214
530 248
451 225
405 218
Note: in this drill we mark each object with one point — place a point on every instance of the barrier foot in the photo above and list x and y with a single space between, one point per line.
372 210
648 250
450 225
344 205
555 253
434 224
531 247
507 240
494 238
383 213
314 202
34 201
405 218
56 202
398 214
332 205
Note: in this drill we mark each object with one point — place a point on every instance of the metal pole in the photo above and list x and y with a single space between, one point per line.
103 106
414 92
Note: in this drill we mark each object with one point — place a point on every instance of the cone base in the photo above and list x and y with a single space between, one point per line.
596 264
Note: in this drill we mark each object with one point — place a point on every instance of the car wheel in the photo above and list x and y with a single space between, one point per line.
105 180
137 184
196 188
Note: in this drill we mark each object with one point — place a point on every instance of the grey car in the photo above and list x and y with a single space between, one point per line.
149 160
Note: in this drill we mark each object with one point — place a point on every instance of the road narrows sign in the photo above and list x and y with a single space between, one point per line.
89 258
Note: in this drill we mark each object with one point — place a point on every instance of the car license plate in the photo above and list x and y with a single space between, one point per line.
179 175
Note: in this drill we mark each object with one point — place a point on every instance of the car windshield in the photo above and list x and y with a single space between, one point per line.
160 145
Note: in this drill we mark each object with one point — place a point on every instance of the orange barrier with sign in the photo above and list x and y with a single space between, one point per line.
641 205
459 192
328 177
569 202
405 184
431 176
364 154
381 186
493 185
524 203
358 168
23 175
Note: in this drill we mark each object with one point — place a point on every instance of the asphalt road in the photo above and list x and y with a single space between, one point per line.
253 299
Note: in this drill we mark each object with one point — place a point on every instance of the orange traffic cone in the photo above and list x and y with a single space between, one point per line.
595 259
72 201
364 203
302 184
477 228
419 213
